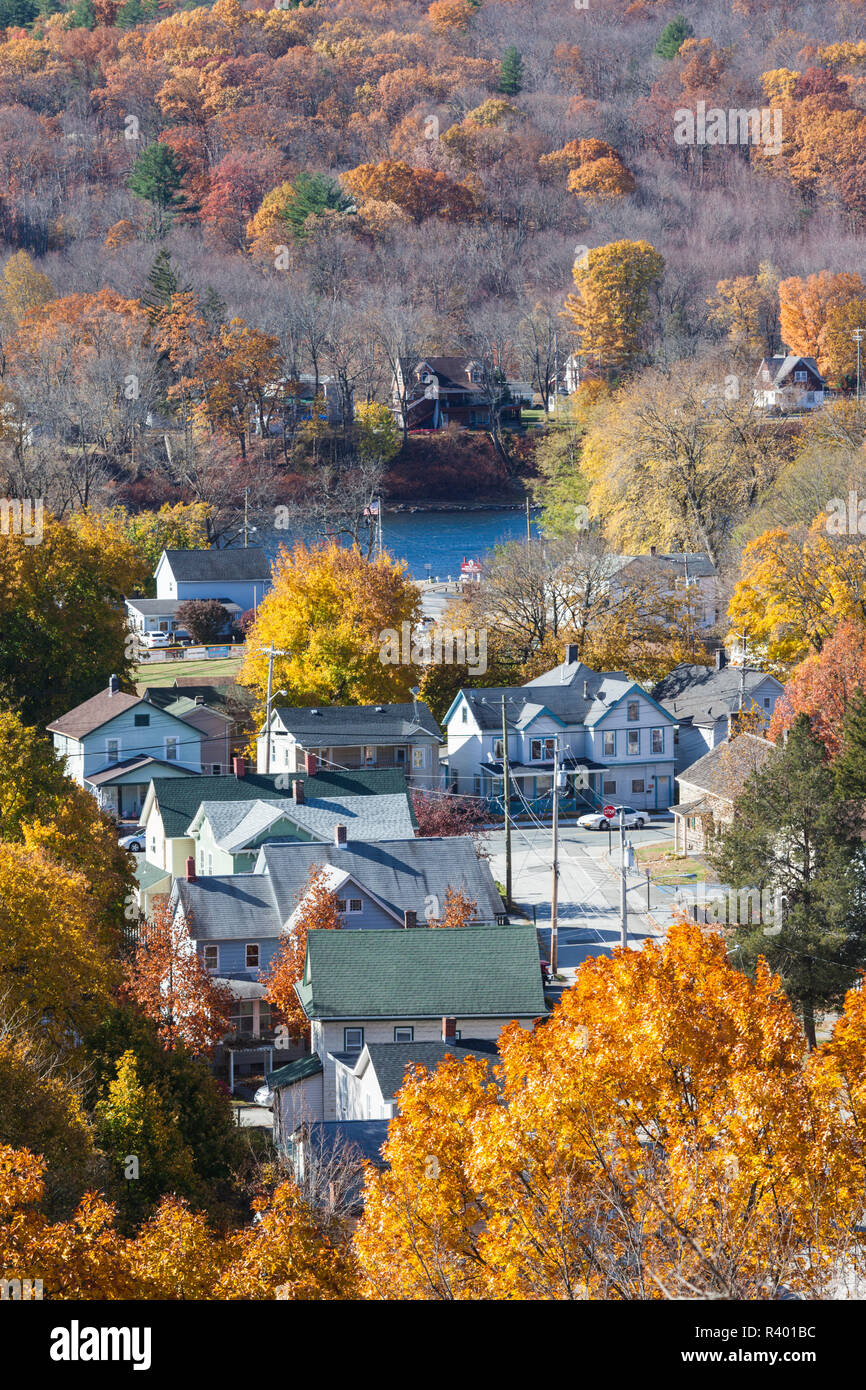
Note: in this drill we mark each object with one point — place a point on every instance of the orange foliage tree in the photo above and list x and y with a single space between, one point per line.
171 985
421 193
806 306
316 911
822 686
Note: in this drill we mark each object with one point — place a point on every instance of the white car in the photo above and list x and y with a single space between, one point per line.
134 842
157 639
631 819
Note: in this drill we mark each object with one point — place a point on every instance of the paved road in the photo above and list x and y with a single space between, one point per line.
589 913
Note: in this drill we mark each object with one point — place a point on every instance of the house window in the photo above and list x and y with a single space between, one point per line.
252 955
404 1034
637 785
766 702
497 748
464 715
356 905
242 1017
399 756
212 957
800 376
112 749
353 1039
341 904
171 750
633 711
609 744
541 748
265 1024
658 740
608 786
419 757
633 741
476 785
142 721
216 769
209 862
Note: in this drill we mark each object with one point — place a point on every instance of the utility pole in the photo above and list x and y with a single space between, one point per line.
246 514
554 892
857 335
555 374
528 531
506 802
623 903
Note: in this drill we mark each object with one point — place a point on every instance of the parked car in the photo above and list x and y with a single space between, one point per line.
157 639
631 819
134 842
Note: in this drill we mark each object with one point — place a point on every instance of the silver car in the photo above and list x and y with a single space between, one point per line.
631 819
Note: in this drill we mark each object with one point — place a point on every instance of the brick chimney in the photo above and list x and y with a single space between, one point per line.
449 1029
571 653
113 685
340 836
190 870
240 767
311 764
298 792
410 918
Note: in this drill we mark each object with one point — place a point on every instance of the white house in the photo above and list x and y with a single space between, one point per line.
614 741
705 702
114 743
240 575
354 736
789 382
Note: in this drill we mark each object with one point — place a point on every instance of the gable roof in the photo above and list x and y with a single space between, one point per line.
564 701
781 366
390 1060
724 770
299 1070
229 907
468 972
234 564
93 713
236 824
344 723
166 696
134 763
401 874
180 797
704 693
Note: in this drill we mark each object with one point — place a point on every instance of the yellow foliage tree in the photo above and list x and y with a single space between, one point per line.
611 303
23 289
332 610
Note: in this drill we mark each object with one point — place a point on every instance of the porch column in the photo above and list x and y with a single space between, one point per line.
231 1072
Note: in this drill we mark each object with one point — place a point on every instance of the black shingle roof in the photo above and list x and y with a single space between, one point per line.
238 563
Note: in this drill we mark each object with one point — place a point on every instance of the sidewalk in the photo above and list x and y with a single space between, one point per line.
660 903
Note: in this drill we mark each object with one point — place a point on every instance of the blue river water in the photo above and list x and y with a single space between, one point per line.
442 540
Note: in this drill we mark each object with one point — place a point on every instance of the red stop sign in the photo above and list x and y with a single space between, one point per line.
608 812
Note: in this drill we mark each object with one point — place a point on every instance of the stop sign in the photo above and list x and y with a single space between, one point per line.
608 812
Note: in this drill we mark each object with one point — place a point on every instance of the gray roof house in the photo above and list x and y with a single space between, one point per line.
708 789
238 574
415 989
789 382
355 736
705 702
614 741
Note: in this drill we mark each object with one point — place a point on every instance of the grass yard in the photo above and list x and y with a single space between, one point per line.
167 672
669 868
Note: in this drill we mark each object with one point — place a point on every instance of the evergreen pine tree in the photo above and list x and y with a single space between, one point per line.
83 15
672 37
792 836
212 308
156 177
313 194
511 72
850 765
162 283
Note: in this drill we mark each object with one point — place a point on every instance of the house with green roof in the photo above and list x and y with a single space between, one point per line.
419 985
173 804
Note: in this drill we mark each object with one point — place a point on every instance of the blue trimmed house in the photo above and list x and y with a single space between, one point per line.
615 742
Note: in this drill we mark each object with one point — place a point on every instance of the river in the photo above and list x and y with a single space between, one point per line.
442 540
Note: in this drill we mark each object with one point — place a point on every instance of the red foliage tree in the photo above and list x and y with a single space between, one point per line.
822 686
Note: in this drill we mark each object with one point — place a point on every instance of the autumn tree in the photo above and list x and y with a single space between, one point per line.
534 1177
823 687
421 193
441 813
611 303
791 836
169 982
316 910
806 307
23 289
203 618
458 910
331 611
748 307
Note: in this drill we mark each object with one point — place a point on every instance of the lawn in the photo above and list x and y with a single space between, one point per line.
166 672
669 868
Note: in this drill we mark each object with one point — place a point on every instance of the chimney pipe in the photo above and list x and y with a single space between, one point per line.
449 1029
298 792
113 685
240 767
571 654
340 836
190 870
311 764
652 550
721 659
410 919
